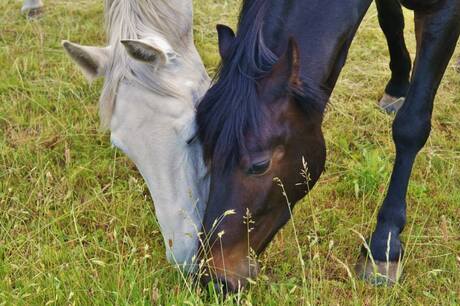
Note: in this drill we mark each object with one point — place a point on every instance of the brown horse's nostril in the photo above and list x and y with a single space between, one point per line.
221 285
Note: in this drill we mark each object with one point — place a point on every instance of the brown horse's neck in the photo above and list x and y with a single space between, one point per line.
322 56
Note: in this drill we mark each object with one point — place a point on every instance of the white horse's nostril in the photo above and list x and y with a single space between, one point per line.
117 143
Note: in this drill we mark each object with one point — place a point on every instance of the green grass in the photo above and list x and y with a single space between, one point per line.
76 220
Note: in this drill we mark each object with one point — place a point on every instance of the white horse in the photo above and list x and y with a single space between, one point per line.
154 77
32 8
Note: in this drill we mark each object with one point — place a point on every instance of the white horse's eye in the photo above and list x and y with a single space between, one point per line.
192 139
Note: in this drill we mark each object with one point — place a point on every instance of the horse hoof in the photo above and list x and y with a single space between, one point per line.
391 104
32 10
35 13
378 273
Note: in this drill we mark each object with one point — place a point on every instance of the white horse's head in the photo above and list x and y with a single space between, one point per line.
152 85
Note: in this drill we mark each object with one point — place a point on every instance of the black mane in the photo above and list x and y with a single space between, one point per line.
230 108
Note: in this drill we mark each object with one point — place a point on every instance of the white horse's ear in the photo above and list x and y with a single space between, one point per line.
91 60
152 50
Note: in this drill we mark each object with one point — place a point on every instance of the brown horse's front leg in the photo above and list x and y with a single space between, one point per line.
437 34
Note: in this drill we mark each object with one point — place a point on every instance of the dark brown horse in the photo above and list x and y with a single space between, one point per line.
260 123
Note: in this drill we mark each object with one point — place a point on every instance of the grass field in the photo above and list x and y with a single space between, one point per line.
76 220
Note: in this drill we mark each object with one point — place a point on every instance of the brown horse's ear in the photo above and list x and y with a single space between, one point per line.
226 38
287 70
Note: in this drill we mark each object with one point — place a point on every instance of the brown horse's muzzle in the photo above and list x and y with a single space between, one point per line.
231 273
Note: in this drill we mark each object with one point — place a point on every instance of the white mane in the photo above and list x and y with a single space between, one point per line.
128 19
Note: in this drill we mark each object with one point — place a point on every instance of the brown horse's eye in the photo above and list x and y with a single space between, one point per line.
259 168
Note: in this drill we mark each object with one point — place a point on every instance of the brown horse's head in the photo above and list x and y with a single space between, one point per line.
261 130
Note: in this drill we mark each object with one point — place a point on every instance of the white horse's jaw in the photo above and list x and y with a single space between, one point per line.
153 131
